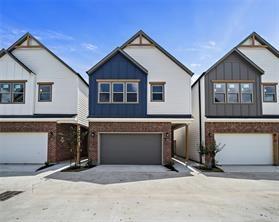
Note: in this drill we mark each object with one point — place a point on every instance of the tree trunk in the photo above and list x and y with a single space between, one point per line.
208 162
78 146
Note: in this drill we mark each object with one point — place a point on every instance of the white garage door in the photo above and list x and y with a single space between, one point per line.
245 149
23 147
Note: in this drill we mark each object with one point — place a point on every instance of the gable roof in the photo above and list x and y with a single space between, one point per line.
262 41
110 55
234 50
28 35
171 57
5 52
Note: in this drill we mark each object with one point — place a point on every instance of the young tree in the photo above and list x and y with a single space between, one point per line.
210 152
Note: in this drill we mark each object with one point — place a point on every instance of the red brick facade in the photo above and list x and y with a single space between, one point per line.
244 127
57 150
96 127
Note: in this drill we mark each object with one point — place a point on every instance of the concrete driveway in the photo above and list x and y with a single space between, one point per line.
150 193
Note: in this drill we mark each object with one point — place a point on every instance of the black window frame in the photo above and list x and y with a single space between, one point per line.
275 92
12 92
39 93
162 84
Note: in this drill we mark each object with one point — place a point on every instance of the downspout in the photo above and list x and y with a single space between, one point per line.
200 122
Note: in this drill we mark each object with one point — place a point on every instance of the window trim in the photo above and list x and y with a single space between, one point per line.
238 93
115 81
246 93
99 91
225 93
123 92
11 93
275 94
239 82
45 84
126 92
163 91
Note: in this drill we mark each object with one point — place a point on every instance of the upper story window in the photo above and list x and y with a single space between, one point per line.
157 92
219 92
233 92
132 89
246 92
104 92
45 92
12 92
269 93
118 92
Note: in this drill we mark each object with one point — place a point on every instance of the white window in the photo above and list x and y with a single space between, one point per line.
104 92
12 92
132 89
118 92
121 92
269 93
157 92
246 92
233 92
219 92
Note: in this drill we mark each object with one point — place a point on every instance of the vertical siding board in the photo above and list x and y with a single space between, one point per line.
118 67
233 68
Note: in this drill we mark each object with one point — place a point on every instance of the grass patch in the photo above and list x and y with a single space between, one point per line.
205 169
78 168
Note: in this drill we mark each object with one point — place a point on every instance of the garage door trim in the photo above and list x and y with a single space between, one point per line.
99 142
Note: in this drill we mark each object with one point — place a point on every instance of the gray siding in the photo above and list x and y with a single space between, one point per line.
234 67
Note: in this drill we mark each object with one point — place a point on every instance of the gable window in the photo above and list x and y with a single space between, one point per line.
104 92
269 93
219 92
12 92
157 92
132 92
246 92
117 92
45 92
233 92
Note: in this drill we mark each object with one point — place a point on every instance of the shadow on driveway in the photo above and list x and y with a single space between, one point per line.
119 174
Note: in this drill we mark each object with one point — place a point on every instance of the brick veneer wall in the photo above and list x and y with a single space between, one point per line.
48 127
244 127
57 151
128 127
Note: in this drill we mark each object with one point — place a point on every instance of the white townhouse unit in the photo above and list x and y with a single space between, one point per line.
236 103
42 100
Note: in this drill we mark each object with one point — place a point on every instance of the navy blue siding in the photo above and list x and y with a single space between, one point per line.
118 67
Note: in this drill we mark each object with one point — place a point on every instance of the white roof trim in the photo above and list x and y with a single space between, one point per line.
58 120
172 120
241 120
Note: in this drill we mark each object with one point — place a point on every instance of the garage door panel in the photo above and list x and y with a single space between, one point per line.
131 149
23 147
245 149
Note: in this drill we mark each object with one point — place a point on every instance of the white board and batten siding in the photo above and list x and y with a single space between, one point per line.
11 70
270 64
163 69
245 149
69 92
32 147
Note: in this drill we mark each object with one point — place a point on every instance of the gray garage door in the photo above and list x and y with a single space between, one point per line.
138 149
